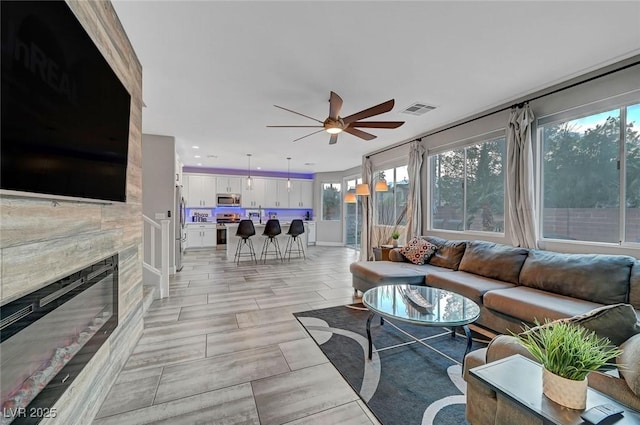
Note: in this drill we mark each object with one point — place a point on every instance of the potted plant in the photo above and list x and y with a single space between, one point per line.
394 236
568 353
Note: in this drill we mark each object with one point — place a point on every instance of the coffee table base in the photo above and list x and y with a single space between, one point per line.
467 333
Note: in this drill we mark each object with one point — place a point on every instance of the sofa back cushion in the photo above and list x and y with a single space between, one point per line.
493 260
599 278
448 254
634 287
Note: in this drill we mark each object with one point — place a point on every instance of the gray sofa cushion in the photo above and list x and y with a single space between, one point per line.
634 285
629 362
448 254
493 260
529 305
469 285
599 278
389 272
616 322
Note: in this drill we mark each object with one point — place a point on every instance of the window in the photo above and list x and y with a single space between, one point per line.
467 191
331 200
352 216
391 206
589 164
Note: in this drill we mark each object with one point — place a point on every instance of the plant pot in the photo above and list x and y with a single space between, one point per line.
567 392
394 243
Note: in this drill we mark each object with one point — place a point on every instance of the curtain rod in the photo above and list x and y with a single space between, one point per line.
515 105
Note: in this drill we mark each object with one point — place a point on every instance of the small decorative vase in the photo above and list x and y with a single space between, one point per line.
394 243
567 392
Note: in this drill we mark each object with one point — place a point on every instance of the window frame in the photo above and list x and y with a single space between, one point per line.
340 206
463 145
583 111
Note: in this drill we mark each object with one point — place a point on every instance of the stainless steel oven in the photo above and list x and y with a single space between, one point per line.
222 219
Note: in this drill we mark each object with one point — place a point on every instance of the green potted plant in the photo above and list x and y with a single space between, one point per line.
568 353
395 235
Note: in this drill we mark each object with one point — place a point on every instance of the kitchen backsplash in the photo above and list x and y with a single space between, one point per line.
209 214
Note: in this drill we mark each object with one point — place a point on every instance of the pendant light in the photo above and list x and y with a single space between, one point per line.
249 172
350 198
362 189
289 174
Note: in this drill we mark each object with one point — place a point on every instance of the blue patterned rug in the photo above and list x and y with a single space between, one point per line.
408 385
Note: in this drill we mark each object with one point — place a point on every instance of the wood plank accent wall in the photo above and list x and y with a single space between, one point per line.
43 240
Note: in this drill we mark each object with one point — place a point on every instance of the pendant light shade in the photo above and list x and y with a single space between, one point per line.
350 198
381 186
363 189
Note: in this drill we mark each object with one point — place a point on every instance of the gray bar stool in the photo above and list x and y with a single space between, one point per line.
295 230
245 230
271 230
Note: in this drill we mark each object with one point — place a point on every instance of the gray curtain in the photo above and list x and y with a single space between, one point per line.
520 190
414 204
366 235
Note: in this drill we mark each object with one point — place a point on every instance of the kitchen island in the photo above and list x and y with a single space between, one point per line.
258 239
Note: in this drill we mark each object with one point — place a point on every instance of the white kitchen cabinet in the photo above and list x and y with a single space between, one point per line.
201 190
301 195
253 197
178 172
276 193
311 232
201 235
228 184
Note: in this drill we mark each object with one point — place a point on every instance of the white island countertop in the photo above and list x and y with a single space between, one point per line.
258 239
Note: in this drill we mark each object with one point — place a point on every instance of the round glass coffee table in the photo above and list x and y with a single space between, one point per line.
422 306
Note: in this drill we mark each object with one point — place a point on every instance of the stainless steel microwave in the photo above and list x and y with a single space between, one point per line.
228 199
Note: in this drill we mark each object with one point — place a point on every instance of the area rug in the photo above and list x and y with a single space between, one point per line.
407 385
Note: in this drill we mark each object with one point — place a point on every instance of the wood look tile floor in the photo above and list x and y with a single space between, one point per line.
225 348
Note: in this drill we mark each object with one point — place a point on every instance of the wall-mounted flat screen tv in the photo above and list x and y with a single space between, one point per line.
65 113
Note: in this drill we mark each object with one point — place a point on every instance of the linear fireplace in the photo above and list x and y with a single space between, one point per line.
48 336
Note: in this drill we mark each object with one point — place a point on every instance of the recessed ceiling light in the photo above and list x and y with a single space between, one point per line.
212 156
309 163
199 163
196 156
258 168
196 147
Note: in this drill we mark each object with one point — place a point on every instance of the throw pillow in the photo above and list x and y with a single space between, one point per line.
618 322
629 363
418 251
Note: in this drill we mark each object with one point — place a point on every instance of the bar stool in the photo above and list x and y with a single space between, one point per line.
245 231
295 229
271 230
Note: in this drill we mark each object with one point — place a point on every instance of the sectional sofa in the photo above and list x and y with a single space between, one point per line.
516 286
512 286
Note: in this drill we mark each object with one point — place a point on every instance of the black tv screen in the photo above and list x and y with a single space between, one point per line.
65 113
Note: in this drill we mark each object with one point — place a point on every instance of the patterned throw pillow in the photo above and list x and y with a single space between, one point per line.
418 251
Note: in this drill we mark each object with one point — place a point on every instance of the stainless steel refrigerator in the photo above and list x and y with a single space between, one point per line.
180 228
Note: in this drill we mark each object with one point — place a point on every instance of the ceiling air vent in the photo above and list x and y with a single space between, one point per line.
418 109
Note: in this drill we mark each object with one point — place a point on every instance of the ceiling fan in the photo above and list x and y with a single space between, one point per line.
335 124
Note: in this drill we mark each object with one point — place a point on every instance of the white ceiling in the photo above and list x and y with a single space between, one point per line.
213 70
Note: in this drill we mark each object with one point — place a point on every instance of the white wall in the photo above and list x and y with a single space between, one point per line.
158 185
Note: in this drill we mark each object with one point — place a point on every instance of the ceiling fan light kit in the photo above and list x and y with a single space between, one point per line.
334 124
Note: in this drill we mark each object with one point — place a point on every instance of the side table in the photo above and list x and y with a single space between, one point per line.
520 380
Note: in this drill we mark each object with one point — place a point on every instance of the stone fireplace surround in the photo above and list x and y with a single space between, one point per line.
48 336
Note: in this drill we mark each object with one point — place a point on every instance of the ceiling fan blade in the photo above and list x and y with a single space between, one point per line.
311 134
298 113
295 126
359 133
335 105
374 110
334 139
377 124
